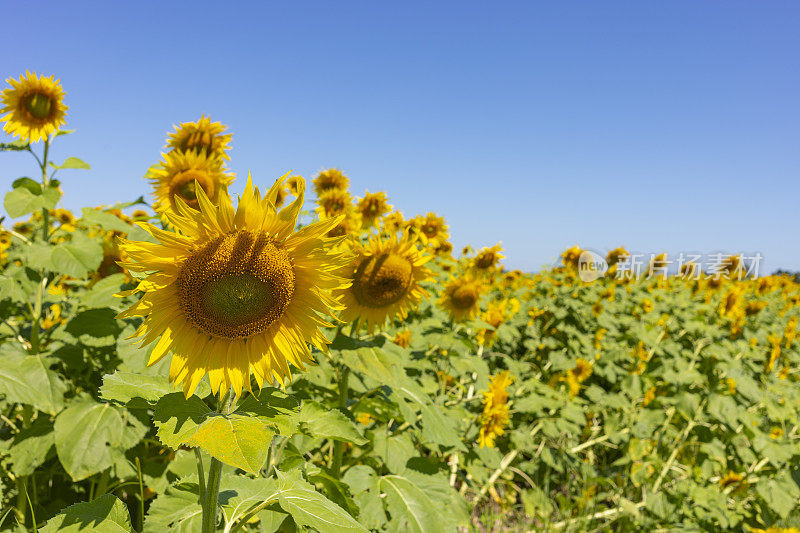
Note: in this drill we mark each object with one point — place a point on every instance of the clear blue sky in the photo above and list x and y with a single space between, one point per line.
662 126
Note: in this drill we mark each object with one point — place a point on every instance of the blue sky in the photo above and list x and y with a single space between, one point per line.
662 126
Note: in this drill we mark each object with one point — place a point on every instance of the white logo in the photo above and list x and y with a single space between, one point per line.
591 266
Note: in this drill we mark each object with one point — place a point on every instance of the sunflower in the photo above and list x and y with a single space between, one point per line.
393 222
372 207
330 179
495 415
232 291
333 202
616 255
402 338
202 136
571 257
461 298
488 258
292 183
34 107
180 173
386 275
349 225
431 228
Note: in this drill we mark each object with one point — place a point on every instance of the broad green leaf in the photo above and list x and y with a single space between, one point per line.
410 508
21 201
71 162
95 327
106 514
319 421
236 440
32 447
178 418
107 221
11 290
34 186
239 495
27 379
89 434
77 257
39 256
275 407
175 511
311 509
141 391
102 293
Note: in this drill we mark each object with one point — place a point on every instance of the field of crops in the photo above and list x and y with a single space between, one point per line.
198 361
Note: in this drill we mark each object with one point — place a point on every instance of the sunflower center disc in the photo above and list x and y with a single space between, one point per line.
464 297
201 140
237 285
38 105
484 260
382 280
183 185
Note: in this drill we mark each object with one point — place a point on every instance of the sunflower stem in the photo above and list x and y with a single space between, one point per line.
211 496
45 211
338 446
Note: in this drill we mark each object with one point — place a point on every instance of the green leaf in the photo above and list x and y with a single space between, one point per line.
311 509
106 514
176 511
139 391
27 379
95 327
107 221
88 435
319 421
71 162
410 507
34 186
32 447
239 495
178 418
236 439
77 257
21 201
102 293
780 493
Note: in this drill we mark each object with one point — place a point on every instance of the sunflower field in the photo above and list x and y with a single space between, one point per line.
193 361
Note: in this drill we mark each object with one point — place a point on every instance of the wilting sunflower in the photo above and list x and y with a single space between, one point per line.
386 276
331 178
34 107
232 291
461 297
202 136
488 257
333 202
179 175
372 207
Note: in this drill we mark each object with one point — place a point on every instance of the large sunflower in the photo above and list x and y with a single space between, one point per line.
235 290
201 136
461 298
179 175
386 275
331 178
34 107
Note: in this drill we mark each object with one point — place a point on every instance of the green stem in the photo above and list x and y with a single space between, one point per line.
141 494
102 485
211 493
201 476
338 446
22 499
45 211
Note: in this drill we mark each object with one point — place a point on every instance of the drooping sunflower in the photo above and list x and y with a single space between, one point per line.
292 183
231 291
386 279
33 106
461 297
333 202
488 257
202 136
372 207
179 175
331 178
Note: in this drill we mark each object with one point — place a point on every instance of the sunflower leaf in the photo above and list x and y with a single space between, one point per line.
71 162
310 508
28 379
106 514
21 200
